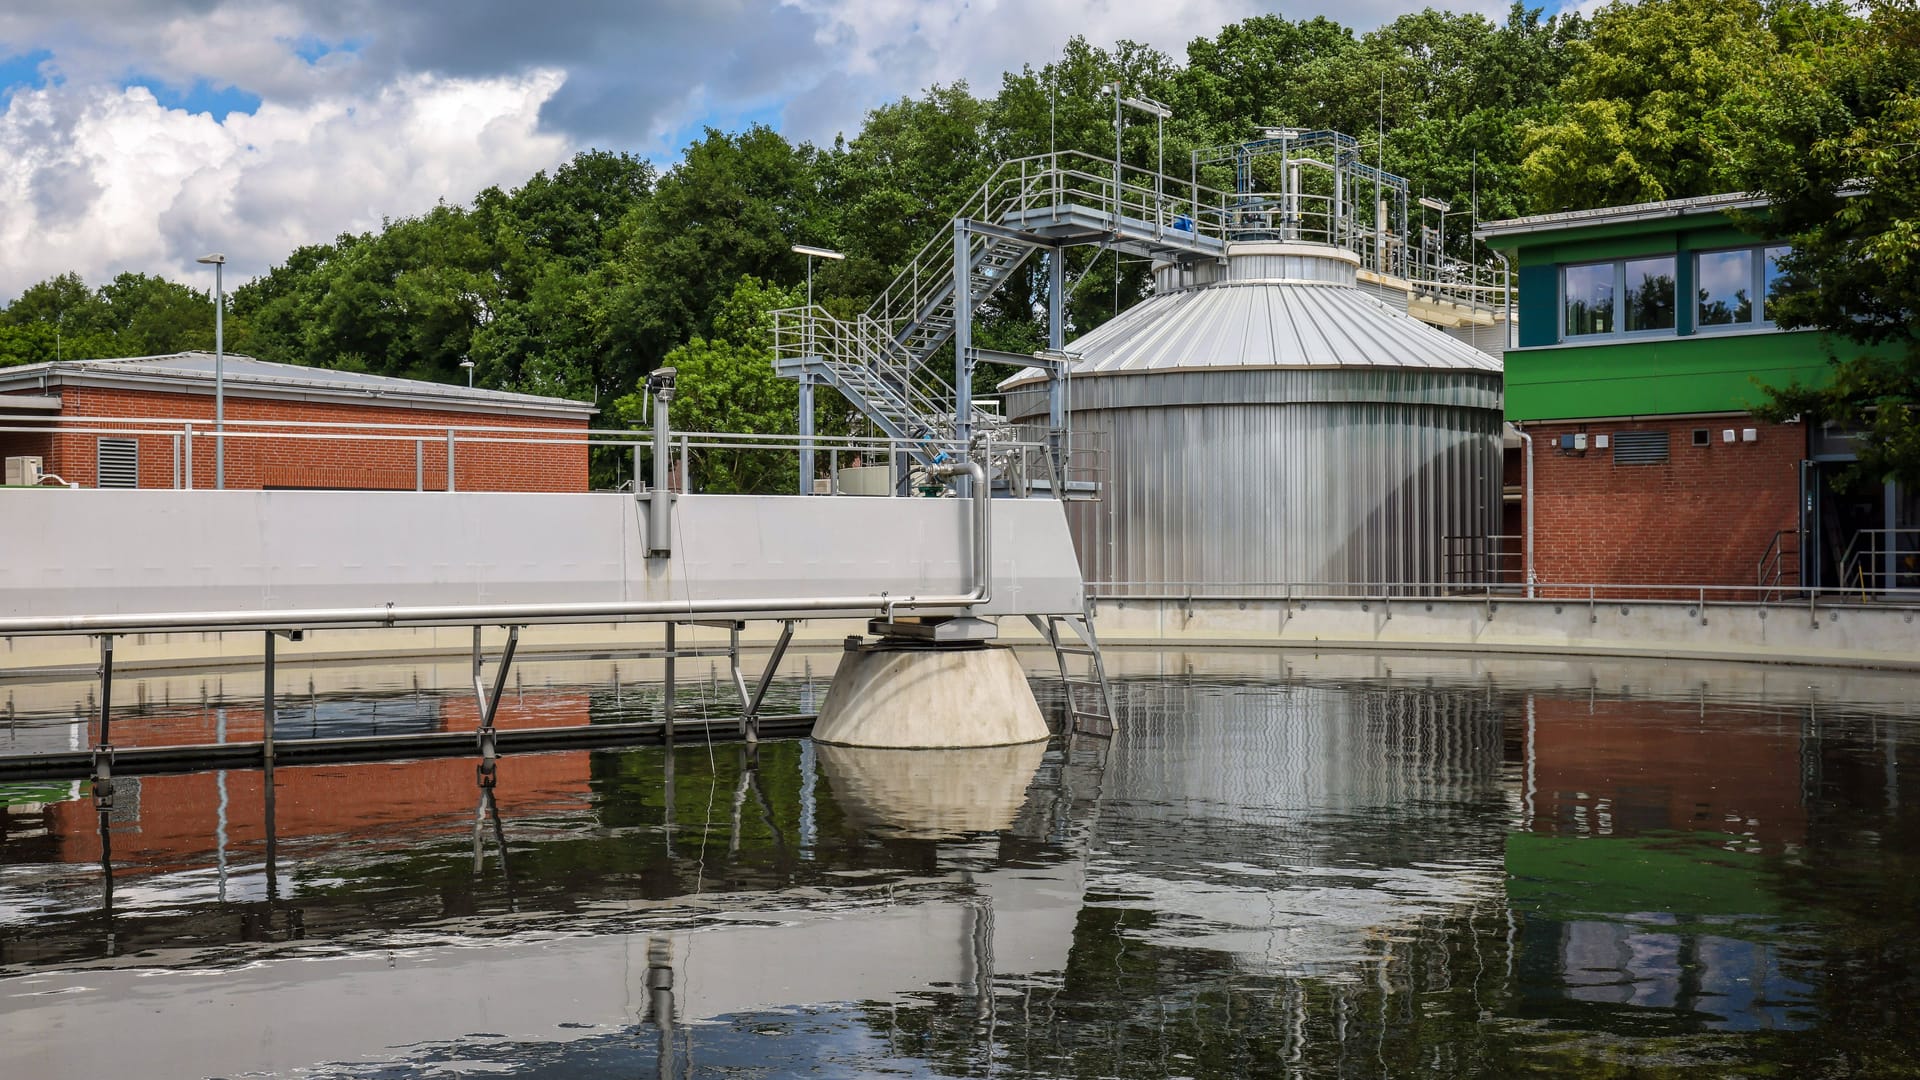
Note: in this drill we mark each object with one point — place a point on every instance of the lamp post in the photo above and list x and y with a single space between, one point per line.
219 263
806 379
467 364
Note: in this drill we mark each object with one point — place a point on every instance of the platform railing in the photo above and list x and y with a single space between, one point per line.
493 448
1880 560
1546 592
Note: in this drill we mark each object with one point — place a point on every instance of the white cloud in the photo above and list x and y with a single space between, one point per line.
435 99
101 180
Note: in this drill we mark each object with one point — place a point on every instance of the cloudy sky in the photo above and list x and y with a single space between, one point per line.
139 134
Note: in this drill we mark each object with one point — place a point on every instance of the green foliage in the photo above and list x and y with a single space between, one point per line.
726 383
1833 139
132 315
1642 114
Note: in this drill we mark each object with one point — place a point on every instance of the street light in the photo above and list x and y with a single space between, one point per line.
806 380
467 363
219 263
813 253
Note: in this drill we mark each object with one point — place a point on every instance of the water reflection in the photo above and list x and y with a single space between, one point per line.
1280 865
931 794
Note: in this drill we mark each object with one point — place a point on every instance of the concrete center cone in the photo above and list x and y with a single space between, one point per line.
914 696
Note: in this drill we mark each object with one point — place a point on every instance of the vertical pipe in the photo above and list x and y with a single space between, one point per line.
188 441
660 503
266 716
450 482
963 335
106 690
219 376
806 434
1289 181
1057 371
419 464
1380 235
1526 497
176 462
667 685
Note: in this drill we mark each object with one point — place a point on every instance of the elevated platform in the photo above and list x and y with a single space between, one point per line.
120 562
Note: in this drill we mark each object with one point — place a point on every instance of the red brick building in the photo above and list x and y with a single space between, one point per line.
149 422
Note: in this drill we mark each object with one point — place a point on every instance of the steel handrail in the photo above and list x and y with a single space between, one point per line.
1599 592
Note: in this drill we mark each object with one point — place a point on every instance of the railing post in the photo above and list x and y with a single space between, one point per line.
450 481
419 464
189 445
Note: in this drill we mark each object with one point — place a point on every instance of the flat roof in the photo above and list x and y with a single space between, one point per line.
246 376
1619 215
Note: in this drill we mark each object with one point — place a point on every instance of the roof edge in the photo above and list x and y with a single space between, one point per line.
1619 215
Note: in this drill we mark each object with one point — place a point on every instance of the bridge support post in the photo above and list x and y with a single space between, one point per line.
489 703
103 750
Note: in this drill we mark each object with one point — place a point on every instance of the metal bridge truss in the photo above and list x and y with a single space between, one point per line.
882 359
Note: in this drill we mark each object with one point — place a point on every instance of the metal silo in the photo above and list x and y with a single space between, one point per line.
1266 426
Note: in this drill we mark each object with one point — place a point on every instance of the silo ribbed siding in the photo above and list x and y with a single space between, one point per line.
1268 430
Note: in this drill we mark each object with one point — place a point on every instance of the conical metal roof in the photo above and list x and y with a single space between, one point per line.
1266 322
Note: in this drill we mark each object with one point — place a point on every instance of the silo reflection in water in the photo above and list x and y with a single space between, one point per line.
1272 819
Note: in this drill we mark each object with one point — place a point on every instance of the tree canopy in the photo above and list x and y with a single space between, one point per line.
580 281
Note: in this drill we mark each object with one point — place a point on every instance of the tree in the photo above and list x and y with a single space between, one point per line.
1642 115
726 383
1834 143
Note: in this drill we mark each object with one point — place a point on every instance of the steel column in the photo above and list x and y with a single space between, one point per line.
963 345
103 750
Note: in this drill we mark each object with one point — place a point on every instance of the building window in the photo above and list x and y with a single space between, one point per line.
1640 448
1644 288
118 463
1732 287
1589 291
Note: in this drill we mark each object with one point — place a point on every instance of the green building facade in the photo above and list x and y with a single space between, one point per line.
1643 342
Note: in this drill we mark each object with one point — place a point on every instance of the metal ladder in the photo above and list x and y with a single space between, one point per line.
1082 671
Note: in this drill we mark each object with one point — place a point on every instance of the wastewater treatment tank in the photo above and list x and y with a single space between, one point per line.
1260 424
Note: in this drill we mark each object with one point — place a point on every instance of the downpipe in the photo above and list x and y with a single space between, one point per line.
1526 496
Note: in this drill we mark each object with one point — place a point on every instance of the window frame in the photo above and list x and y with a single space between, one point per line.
1756 284
1619 331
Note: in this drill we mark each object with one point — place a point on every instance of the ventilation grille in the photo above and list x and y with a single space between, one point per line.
1640 448
119 463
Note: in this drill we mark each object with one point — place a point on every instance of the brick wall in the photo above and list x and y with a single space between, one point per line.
1704 517
362 463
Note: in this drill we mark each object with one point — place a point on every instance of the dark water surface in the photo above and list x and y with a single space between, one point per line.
1282 865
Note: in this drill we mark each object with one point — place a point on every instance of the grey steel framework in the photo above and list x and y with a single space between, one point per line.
883 360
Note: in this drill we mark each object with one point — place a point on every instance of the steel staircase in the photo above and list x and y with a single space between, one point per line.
881 360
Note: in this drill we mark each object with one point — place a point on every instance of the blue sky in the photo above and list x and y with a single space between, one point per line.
137 134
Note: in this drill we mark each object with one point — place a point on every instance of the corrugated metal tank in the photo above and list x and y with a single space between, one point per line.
1267 425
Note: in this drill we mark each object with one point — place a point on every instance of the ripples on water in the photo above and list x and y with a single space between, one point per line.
1282 865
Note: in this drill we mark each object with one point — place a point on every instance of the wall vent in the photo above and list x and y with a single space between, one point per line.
119 463
1640 448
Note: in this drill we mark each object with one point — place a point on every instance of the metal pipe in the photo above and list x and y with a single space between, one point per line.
450 482
1526 497
660 501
